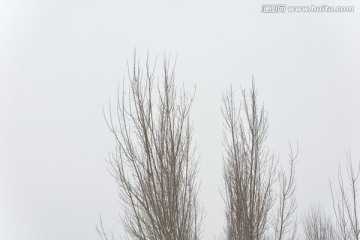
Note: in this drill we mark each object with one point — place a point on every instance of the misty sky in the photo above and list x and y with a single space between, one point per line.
61 63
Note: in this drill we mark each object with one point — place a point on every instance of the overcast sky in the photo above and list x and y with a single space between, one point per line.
61 62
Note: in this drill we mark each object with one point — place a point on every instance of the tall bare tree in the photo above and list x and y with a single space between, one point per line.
318 226
285 226
345 202
250 172
154 163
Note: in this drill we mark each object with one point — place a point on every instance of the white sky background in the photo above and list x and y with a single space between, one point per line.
61 61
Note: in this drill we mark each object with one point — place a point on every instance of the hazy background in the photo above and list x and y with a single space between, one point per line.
61 62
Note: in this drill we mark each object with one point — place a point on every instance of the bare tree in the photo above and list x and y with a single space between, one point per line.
345 203
317 226
154 163
102 235
285 219
250 171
